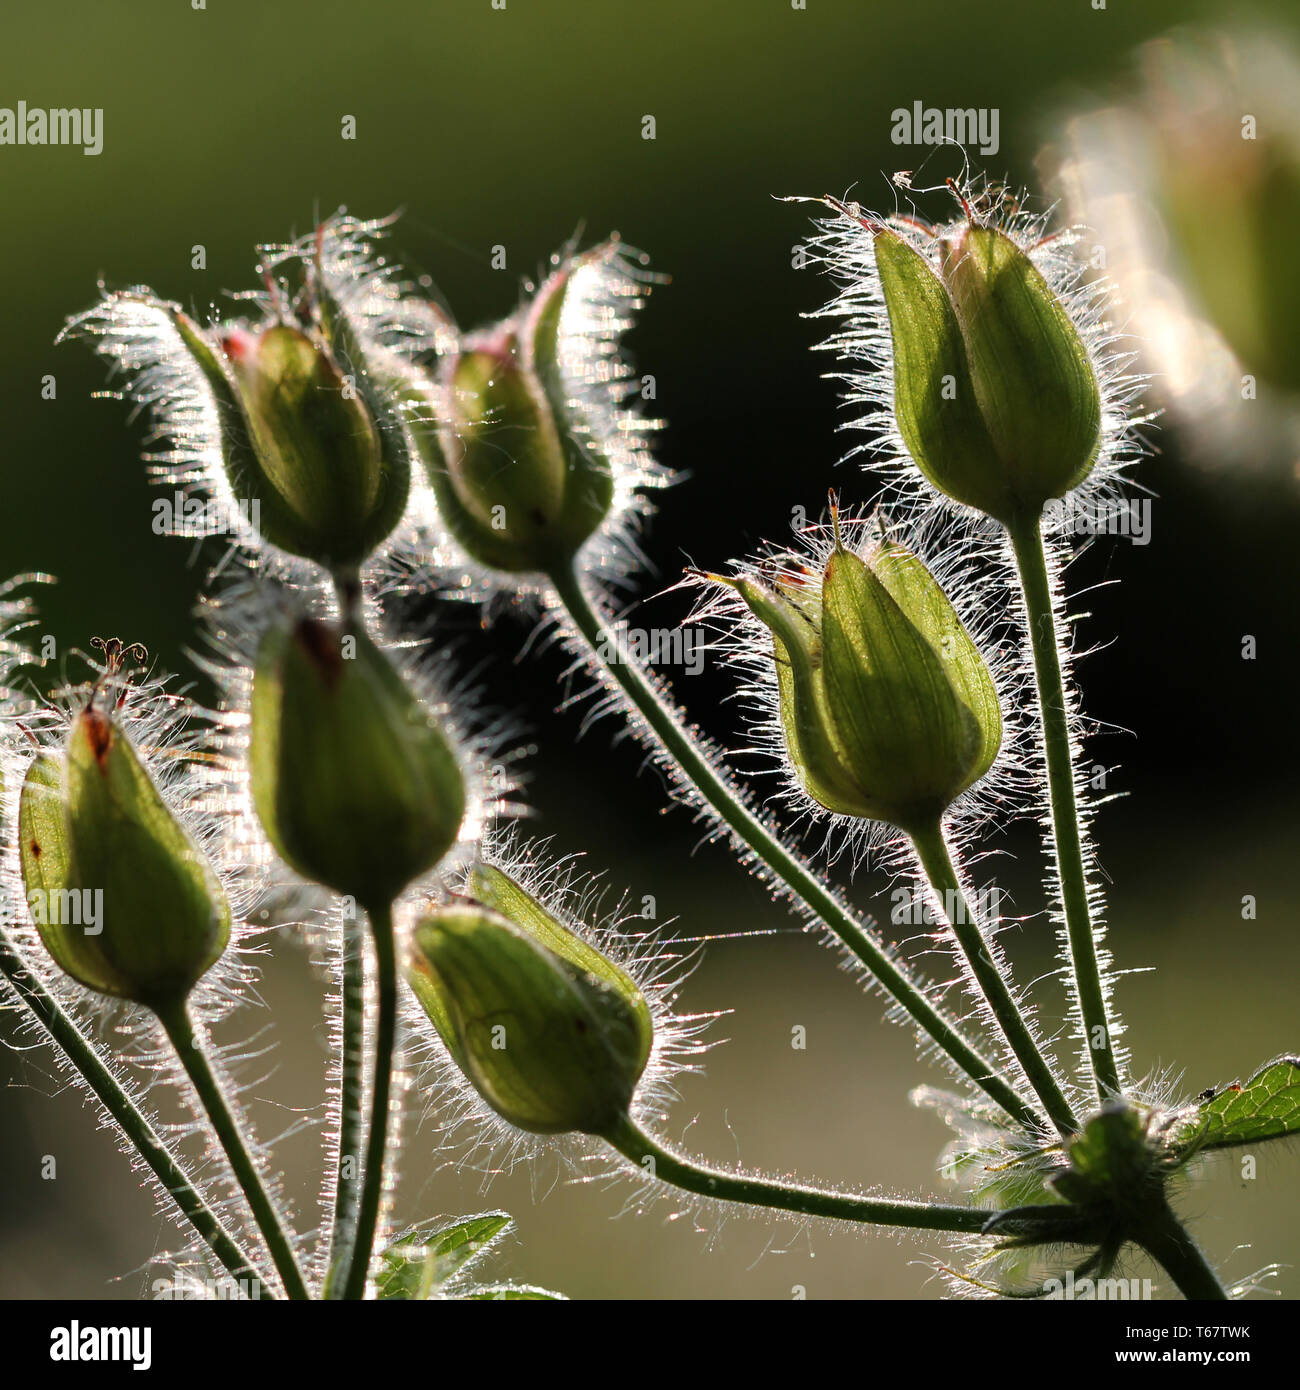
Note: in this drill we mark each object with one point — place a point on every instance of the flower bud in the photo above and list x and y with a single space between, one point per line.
994 390
551 1046
313 447
490 887
355 783
888 710
122 897
520 479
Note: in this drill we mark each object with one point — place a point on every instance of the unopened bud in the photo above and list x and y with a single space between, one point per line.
888 710
354 781
552 1046
121 895
303 441
994 390
520 482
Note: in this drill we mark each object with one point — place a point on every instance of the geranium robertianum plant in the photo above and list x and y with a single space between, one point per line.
348 433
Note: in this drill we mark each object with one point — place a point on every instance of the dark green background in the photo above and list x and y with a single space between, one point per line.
222 127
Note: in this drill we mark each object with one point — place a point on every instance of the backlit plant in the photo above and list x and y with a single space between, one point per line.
907 665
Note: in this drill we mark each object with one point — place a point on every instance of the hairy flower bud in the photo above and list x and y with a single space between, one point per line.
122 897
995 394
355 783
888 710
552 1034
493 888
520 480
309 443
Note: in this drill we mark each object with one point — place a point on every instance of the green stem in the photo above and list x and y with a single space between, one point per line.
381 933
800 882
932 850
180 1030
647 1153
110 1093
352 1091
1031 560
1171 1246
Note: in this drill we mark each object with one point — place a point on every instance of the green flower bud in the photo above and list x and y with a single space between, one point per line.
888 710
494 889
550 1045
519 479
994 391
355 783
122 897
314 447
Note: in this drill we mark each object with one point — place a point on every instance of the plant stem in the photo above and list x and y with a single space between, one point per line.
1031 560
113 1097
695 765
180 1030
352 1089
1171 1246
932 850
381 933
647 1153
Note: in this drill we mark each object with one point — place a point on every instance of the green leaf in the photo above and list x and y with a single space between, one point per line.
422 1259
1265 1107
512 1292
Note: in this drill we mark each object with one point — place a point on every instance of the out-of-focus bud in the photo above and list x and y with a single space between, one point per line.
552 1046
313 445
520 480
1186 183
353 779
122 897
995 394
888 709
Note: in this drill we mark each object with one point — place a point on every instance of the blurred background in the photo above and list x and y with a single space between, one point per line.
515 126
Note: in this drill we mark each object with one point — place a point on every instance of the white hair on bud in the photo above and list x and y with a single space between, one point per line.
607 287
745 644
845 247
176 741
243 604
580 901
137 332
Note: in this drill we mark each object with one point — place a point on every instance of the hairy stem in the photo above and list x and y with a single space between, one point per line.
1171 1246
352 1089
697 768
648 1154
110 1093
180 1030
1031 560
381 933
932 850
